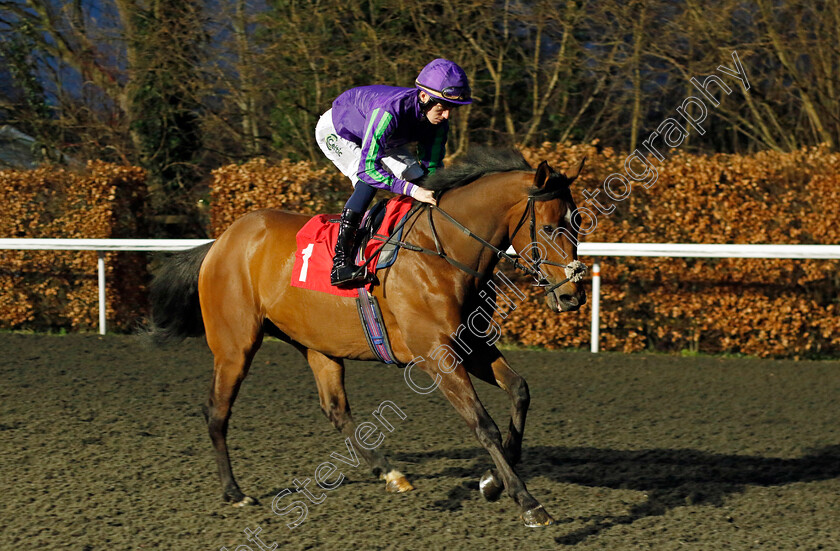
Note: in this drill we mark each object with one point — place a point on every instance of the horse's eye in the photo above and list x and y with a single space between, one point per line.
548 229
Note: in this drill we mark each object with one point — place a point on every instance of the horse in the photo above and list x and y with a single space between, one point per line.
236 290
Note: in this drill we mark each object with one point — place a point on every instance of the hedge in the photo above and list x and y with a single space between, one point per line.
57 290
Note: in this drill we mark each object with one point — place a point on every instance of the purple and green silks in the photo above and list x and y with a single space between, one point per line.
379 118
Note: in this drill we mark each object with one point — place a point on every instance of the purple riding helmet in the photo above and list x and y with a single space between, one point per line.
445 81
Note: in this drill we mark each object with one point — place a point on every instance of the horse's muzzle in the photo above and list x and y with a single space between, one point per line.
566 302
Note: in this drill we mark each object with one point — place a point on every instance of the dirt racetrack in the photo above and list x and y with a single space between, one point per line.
103 446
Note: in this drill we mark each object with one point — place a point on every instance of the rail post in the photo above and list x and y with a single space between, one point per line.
596 305
100 265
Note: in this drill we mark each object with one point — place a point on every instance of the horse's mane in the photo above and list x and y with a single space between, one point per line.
476 163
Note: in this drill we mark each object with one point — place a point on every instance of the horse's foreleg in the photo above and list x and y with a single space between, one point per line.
229 370
329 376
458 389
493 368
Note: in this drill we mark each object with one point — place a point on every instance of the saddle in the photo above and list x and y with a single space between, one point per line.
371 227
316 246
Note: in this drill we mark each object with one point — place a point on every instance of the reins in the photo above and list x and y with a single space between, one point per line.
574 270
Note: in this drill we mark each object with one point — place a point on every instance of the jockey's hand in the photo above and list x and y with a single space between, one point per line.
424 195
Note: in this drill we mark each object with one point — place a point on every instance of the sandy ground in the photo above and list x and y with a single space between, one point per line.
103 446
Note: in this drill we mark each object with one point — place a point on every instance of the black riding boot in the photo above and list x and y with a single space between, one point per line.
343 264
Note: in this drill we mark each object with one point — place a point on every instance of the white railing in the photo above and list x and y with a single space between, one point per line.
685 250
101 246
596 250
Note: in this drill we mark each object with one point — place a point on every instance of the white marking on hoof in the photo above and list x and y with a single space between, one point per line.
396 482
391 476
245 502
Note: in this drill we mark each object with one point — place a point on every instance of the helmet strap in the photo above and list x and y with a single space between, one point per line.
432 101
429 103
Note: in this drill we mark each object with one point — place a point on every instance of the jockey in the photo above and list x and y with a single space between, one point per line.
365 132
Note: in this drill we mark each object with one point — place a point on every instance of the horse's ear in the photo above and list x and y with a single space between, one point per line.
543 174
573 175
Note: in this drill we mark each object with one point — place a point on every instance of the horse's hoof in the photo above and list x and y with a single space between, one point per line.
490 486
399 486
537 517
245 502
397 483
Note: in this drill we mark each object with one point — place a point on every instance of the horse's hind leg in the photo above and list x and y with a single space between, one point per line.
232 358
329 376
489 365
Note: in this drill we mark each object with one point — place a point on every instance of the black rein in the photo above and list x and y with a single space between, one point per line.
502 255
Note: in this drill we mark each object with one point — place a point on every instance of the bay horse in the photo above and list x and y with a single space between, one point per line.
237 289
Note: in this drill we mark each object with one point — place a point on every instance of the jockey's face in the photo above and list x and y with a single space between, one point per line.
439 112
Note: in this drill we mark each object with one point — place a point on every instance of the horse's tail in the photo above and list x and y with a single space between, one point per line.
173 294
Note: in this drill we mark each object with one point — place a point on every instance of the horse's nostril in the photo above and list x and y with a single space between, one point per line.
571 300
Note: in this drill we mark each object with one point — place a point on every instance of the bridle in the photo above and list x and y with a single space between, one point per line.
575 270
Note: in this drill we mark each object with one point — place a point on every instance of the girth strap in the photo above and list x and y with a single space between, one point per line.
374 326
